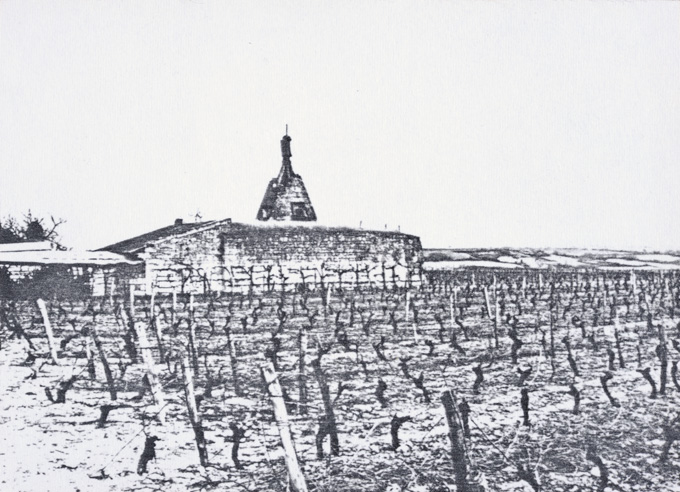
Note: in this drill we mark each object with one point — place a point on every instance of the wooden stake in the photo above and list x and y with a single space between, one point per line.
132 303
173 312
457 441
488 304
495 311
129 336
192 335
234 364
408 306
295 476
48 331
302 378
157 327
633 282
154 382
90 359
662 353
329 420
105 363
552 342
110 290
451 311
194 416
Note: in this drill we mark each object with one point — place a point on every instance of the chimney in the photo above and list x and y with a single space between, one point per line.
179 222
285 146
286 172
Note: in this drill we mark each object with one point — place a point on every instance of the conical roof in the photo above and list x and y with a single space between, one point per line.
286 197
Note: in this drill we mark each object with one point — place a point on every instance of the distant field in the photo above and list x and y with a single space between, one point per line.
436 259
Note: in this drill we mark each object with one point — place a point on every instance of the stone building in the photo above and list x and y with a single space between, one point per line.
284 250
227 256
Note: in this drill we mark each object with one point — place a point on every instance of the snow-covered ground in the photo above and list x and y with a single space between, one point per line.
51 447
446 259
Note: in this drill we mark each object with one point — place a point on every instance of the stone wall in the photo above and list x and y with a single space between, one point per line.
187 263
240 257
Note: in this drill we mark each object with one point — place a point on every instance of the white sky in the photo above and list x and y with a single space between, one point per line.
470 124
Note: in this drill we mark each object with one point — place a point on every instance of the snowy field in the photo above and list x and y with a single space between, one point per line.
568 329
437 259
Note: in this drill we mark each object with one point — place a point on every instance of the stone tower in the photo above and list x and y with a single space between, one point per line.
286 197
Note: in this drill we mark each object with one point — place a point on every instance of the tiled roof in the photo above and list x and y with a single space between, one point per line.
137 243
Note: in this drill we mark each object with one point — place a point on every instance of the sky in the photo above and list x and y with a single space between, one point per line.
469 124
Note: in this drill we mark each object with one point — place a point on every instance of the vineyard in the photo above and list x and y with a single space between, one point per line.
476 380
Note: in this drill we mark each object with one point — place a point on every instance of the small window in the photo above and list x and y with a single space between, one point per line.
298 211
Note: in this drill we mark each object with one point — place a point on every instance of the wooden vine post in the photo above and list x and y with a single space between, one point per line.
194 416
456 434
152 377
486 300
495 310
132 302
89 353
173 312
633 283
302 377
48 331
328 425
192 334
128 319
329 288
552 341
231 348
105 364
295 477
662 353
157 327
407 306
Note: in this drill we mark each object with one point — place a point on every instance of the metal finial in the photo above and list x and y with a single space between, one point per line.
286 129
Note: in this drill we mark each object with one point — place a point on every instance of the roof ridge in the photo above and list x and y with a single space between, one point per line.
206 225
138 242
